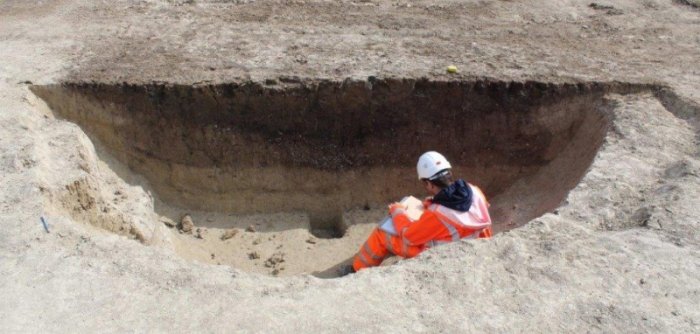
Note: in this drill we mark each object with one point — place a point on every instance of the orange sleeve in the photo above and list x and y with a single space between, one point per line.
401 221
420 232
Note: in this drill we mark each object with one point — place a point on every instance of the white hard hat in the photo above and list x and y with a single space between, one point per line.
430 164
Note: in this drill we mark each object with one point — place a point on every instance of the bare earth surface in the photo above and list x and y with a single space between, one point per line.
621 254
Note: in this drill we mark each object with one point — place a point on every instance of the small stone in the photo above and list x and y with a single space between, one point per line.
186 224
257 241
642 281
275 272
198 235
213 256
250 228
253 255
311 240
229 234
642 216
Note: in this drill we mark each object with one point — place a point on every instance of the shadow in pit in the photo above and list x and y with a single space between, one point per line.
332 272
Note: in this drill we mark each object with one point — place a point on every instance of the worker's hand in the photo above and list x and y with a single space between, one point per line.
396 209
427 202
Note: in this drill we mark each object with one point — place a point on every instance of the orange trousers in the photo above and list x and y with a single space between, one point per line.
378 246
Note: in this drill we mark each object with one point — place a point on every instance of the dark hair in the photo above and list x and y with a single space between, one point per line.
442 181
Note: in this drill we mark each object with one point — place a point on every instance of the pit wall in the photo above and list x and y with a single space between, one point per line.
325 146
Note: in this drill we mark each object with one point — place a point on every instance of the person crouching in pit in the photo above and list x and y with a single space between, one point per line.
456 210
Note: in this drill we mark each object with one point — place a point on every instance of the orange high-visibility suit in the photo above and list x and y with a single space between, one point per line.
437 225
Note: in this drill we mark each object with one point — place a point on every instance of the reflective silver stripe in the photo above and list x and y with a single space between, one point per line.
452 229
371 253
363 259
389 247
435 243
404 244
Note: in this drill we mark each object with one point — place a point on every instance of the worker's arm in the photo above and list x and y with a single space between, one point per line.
420 232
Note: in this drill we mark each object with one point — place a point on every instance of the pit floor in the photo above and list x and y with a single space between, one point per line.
279 244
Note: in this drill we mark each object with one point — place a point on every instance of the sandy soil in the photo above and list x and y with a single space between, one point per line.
620 255
277 244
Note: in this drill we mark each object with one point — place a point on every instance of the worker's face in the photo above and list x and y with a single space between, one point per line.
430 188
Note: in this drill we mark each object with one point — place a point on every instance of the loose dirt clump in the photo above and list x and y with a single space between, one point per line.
186 224
228 234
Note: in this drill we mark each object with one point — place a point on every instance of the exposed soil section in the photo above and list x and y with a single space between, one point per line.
289 164
324 147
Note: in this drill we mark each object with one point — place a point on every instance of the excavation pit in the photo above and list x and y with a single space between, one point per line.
333 153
